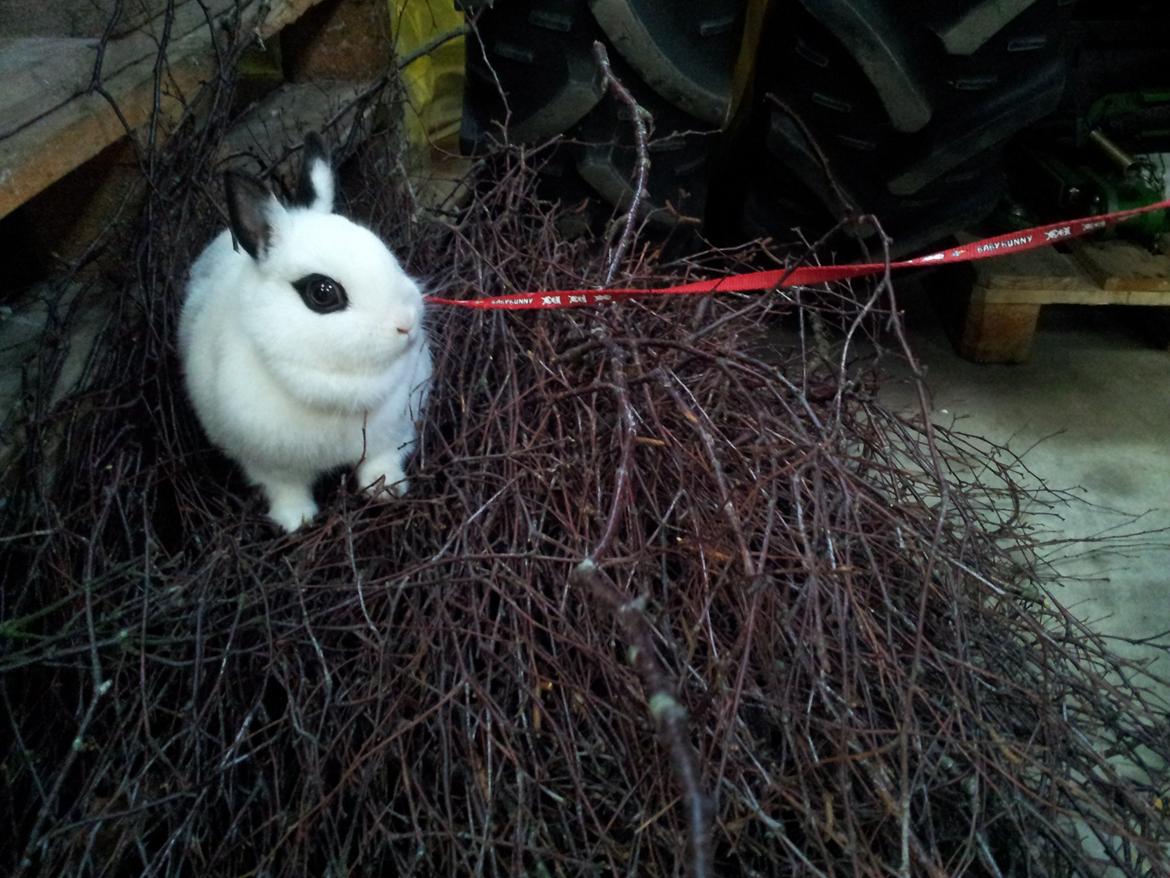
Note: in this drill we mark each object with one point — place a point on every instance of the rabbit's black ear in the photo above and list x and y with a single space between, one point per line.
250 205
315 188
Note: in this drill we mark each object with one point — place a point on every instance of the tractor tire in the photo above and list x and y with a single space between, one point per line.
910 103
532 77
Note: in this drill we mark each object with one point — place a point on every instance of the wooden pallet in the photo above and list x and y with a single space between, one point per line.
1000 316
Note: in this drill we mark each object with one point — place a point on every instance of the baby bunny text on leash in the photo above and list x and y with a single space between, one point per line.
300 331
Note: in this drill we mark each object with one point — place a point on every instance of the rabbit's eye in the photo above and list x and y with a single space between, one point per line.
321 294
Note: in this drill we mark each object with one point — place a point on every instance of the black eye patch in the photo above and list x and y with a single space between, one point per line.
321 293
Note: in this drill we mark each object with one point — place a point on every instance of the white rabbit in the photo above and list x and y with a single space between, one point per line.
305 350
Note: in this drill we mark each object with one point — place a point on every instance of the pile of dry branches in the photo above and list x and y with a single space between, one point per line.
659 601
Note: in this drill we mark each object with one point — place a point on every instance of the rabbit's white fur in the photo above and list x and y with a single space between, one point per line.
288 392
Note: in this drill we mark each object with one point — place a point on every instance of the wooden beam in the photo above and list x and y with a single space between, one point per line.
46 140
994 332
278 123
43 74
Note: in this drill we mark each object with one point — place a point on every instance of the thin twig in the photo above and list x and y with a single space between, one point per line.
668 714
640 119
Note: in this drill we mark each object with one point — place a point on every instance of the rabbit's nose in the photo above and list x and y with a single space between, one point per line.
405 322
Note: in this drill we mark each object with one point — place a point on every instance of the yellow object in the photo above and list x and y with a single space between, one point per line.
744 72
433 81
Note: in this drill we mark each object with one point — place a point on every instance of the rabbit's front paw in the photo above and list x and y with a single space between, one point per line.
382 478
291 516
290 506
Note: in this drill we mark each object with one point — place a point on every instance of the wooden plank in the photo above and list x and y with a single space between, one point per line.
78 18
39 73
1108 273
277 124
1046 296
1120 265
1034 269
52 76
43 150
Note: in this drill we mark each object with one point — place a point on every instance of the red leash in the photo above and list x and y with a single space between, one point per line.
1013 242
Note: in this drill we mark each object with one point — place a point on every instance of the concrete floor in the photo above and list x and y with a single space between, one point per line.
1091 411
1091 408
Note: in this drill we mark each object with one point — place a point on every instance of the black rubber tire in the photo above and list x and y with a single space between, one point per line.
910 101
530 64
